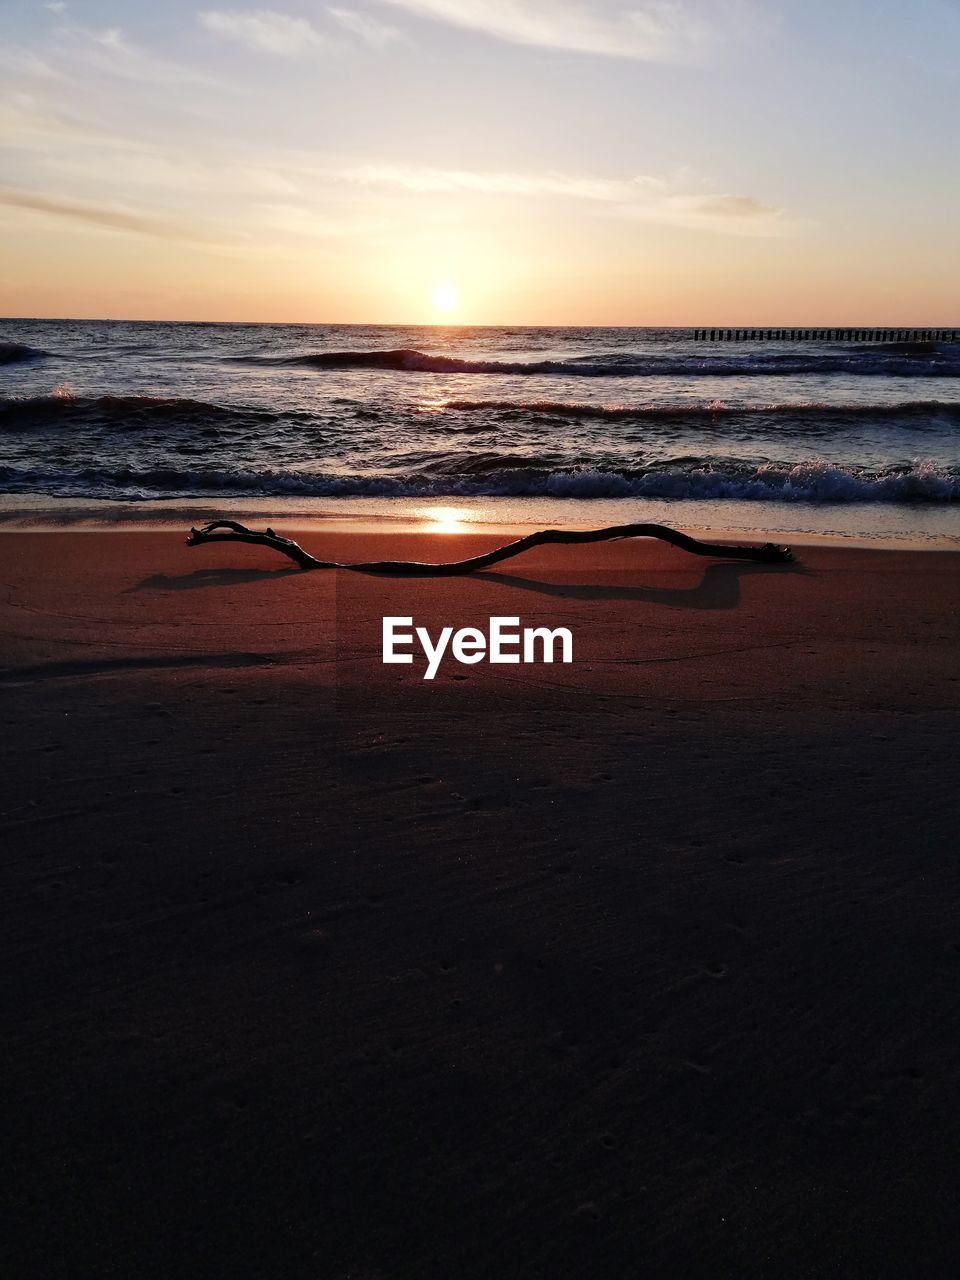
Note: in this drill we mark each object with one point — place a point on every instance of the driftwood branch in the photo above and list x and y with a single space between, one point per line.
769 553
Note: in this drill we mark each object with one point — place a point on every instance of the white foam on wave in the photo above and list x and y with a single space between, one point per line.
816 482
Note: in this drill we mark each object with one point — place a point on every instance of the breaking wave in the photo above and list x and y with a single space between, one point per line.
813 482
878 362
19 353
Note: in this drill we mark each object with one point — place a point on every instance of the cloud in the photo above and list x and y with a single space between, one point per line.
111 52
70 52
653 30
310 222
370 30
644 198
731 207
264 30
509 184
29 124
25 63
721 214
63 153
267 31
114 219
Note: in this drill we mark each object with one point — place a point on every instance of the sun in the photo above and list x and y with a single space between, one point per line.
445 297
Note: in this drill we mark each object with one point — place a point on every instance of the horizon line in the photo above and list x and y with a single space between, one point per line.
428 324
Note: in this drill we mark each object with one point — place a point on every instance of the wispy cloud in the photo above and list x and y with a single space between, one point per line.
70 52
28 123
310 222
104 216
653 30
369 30
509 184
264 30
267 31
62 153
23 62
112 53
729 207
730 215
645 198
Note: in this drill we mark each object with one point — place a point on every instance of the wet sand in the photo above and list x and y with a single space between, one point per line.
645 965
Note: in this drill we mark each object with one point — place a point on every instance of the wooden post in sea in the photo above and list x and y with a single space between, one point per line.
874 335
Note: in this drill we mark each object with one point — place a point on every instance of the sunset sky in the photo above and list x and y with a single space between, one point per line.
482 161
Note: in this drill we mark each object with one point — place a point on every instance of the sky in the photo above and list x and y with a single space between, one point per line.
568 162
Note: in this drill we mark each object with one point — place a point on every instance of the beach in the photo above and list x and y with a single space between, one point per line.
644 964
381 901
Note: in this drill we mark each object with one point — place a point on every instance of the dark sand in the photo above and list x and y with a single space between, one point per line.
644 967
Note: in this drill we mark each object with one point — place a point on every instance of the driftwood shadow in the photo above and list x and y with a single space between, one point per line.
209 578
719 588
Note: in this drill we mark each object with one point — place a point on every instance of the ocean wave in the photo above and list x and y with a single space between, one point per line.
133 412
62 408
718 413
812 482
19 353
759 363
406 360
915 348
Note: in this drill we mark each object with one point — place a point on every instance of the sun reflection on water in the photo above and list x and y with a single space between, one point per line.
445 519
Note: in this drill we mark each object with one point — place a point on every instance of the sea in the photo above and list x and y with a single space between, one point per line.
538 426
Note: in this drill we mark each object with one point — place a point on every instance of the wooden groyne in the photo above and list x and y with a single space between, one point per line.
826 335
